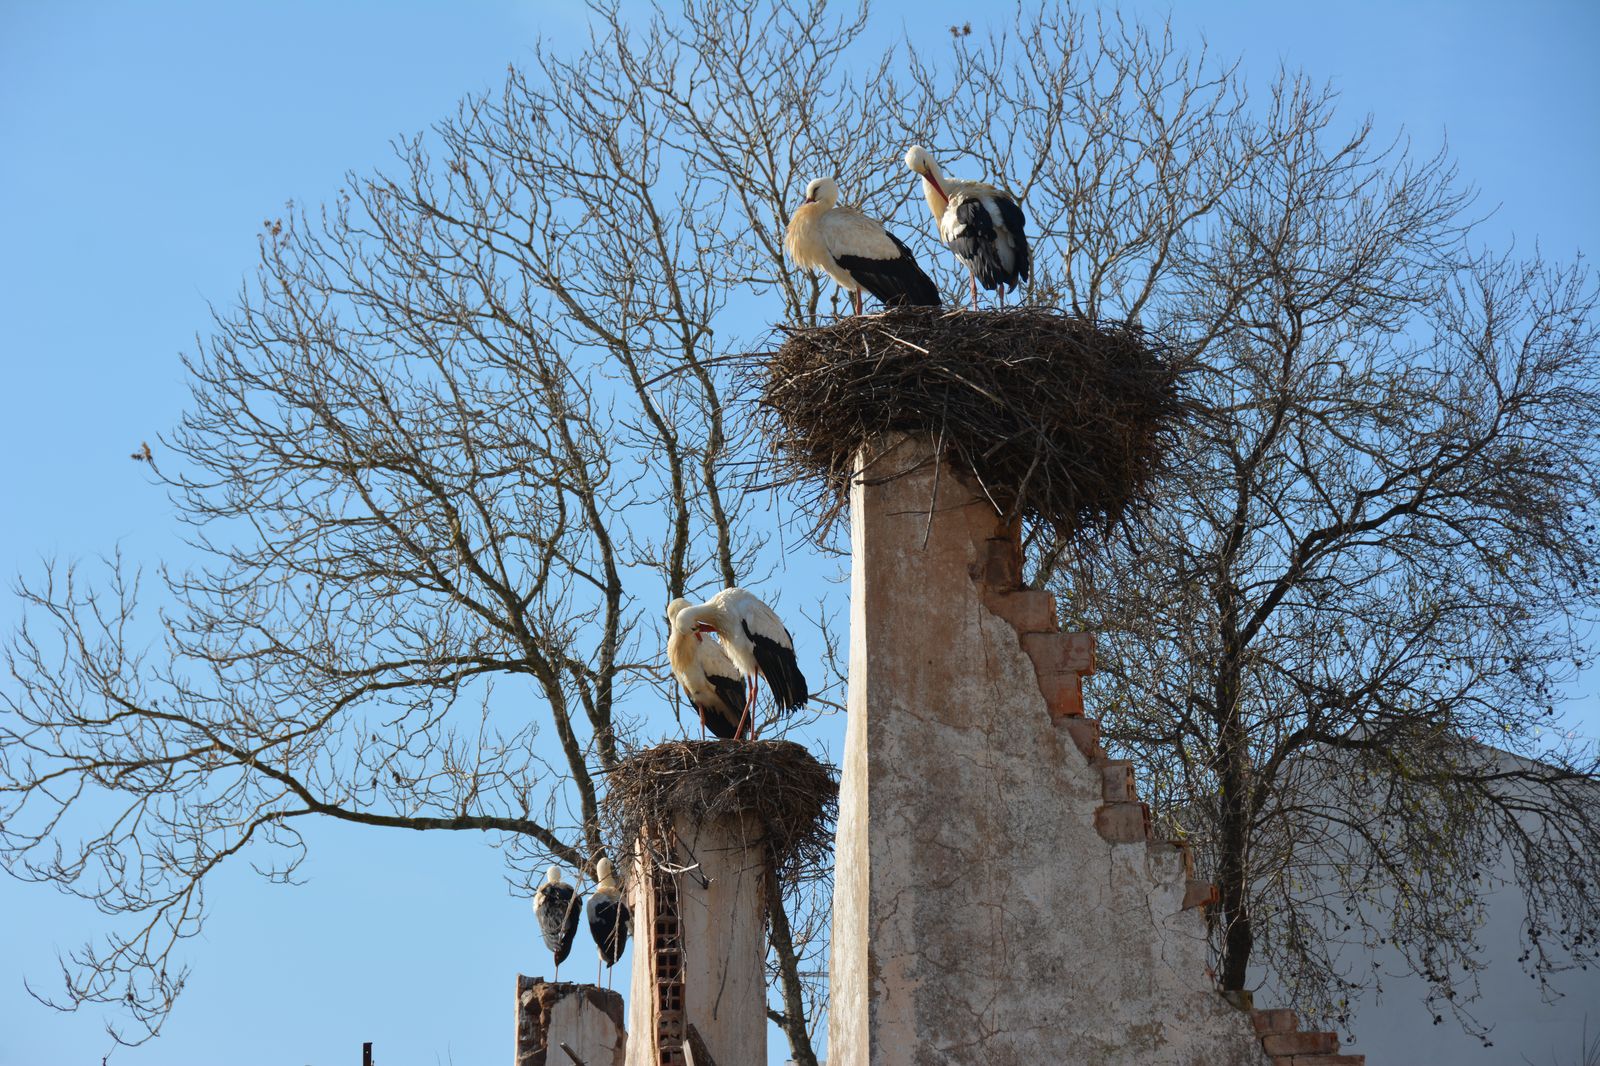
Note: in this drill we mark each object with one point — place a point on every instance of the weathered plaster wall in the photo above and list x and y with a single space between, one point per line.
980 914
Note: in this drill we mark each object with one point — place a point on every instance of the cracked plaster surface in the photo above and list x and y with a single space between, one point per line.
978 915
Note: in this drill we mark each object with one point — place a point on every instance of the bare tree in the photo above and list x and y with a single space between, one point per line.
474 423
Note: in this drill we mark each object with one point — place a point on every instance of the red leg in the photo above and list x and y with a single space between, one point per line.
855 294
974 292
755 683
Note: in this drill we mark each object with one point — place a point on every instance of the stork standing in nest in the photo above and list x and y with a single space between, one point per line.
855 251
758 643
708 676
983 224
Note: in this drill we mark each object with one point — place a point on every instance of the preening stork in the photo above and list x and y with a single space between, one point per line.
610 920
707 675
557 906
983 224
856 251
755 639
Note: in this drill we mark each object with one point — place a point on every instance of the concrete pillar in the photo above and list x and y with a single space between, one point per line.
980 915
586 1018
700 944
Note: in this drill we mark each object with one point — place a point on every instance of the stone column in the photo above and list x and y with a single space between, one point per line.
586 1018
699 948
994 903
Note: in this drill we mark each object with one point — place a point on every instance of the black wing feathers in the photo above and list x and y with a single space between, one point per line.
558 919
609 924
716 718
898 282
782 671
1011 215
978 243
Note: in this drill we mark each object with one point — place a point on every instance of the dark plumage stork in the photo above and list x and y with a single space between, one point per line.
856 251
610 920
707 675
557 906
755 639
983 224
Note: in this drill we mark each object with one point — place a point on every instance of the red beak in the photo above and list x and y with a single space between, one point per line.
936 186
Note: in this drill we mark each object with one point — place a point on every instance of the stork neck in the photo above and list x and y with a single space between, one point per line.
930 192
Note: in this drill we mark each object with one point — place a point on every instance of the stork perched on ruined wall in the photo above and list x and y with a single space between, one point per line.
756 640
610 920
855 251
557 907
983 224
709 678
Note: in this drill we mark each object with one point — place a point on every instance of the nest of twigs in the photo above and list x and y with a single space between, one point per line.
1062 420
791 796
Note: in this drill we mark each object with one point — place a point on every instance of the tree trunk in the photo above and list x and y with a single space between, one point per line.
794 1012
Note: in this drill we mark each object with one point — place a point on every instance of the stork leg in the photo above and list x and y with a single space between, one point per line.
974 292
702 723
1002 291
755 684
855 295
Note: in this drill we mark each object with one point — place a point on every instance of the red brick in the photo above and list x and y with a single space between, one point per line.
1002 563
1028 610
1085 733
1188 856
1299 1044
1060 653
1278 1020
1063 695
1117 783
1123 823
1320 1060
1200 894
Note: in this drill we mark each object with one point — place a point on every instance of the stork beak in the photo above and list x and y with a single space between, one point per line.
809 200
936 186
707 627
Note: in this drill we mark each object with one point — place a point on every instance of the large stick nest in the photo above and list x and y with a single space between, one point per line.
792 797
1062 420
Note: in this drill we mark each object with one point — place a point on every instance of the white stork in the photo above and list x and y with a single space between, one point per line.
610 920
557 906
983 224
856 251
755 639
707 675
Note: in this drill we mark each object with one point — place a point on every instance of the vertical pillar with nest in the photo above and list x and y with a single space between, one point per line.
997 897
712 826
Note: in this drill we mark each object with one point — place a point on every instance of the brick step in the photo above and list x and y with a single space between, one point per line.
1276 1020
1085 733
1117 784
1300 1043
1319 1060
1123 823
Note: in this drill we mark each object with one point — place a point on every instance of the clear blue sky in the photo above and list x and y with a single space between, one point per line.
141 145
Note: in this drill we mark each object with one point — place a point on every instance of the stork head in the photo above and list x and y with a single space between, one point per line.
824 191
552 876
920 162
602 870
675 606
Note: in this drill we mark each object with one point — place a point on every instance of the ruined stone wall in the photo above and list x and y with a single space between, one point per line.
997 899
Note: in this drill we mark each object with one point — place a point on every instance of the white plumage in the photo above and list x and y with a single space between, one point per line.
755 639
855 251
983 224
709 678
